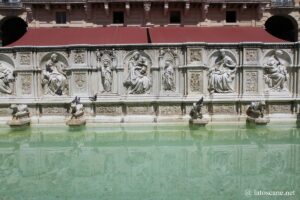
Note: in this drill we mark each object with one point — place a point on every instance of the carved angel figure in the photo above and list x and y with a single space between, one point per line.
168 77
137 81
275 72
6 78
222 74
54 78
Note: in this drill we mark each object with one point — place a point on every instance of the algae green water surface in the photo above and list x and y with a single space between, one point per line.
148 162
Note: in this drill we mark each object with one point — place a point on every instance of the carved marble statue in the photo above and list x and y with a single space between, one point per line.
77 113
196 114
137 81
54 78
20 115
168 77
106 75
222 74
255 113
6 78
275 72
106 61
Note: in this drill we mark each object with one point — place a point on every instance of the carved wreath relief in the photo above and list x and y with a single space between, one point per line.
222 73
106 62
138 81
275 73
54 78
7 79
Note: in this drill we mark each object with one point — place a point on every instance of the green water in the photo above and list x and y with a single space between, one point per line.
147 162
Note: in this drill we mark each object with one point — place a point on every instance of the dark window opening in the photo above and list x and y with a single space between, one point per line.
230 16
12 29
175 17
282 27
118 17
61 17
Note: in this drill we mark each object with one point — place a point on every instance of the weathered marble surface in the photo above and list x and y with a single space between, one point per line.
165 80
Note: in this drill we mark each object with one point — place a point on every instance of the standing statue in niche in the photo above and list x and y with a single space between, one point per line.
275 72
54 78
222 74
6 79
137 81
106 75
168 77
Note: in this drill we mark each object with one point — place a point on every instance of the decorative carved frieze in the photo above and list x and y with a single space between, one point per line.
224 109
195 81
79 57
280 108
25 59
195 55
26 84
140 110
170 110
108 110
80 80
251 81
251 56
53 110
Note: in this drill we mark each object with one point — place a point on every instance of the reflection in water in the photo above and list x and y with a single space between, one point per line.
149 162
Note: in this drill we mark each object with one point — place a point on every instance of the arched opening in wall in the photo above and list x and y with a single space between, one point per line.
12 29
283 27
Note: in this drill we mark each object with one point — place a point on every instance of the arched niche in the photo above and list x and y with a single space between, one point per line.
47 57
283 26
12 29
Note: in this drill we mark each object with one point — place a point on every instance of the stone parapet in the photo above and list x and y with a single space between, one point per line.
123 83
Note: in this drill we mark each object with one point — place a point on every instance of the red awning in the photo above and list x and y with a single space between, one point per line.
228 34
138 35
73 36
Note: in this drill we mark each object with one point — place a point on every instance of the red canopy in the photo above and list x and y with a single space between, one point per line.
227 34
73 36
138 35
